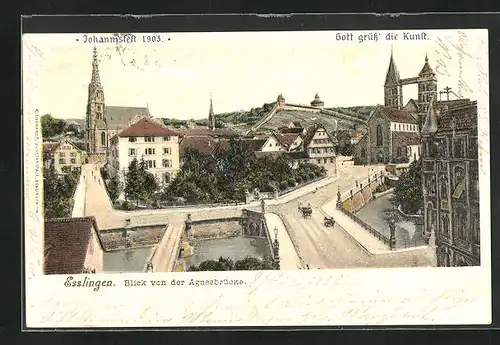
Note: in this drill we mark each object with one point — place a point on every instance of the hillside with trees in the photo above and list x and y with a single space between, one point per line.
52 127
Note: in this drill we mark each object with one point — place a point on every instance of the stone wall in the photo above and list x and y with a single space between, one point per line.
138 236
215 228
79 198
357 197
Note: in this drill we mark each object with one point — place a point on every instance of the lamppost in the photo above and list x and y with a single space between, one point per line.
187 226
276 249
392 227
339 201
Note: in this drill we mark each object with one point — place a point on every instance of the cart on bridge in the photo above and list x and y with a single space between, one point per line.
329 221
306 210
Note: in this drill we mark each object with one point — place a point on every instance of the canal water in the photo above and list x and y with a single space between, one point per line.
377 213
126 260
235 248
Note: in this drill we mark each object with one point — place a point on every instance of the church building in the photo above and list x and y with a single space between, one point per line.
393 134
102 121
451 184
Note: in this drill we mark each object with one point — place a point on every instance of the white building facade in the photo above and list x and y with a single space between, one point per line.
149 140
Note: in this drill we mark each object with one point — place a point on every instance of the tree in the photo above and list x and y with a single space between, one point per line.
133 181
251 264
226 264
408 191
52 126
58 193
113 187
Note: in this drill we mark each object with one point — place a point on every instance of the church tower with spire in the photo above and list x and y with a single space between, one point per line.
427 89
393 90
211 116
95 109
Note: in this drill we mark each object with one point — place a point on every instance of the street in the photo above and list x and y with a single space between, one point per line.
317 245
331 247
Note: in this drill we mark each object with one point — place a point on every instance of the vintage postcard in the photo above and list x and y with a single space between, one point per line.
271 178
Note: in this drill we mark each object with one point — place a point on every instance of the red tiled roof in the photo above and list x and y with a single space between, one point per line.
198 131
286 139
147 127
459 119
203 144
397 115
50 147
409 138
250 145
65 244
426 69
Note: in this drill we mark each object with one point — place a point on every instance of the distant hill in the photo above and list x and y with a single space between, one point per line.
245 117
243 120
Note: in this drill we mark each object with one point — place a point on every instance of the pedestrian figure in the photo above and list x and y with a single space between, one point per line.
307 266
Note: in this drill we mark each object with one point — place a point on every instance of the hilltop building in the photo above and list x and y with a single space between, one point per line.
103 121
317 102
451 183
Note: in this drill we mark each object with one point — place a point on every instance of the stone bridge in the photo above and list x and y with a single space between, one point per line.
168 254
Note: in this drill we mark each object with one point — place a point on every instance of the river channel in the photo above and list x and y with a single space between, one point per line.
376 214
235 248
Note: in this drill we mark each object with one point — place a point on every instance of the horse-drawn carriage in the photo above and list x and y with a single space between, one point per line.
329 221
305 210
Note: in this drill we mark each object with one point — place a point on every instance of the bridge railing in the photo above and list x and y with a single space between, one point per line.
367 227
361 185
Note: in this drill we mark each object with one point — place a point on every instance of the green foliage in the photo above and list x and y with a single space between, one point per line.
112 184
113 187
408 191
226 264
58 192
127 206
346 150
227 176
132 179
381 188
140 184
52 127
283 185
104 173
248 117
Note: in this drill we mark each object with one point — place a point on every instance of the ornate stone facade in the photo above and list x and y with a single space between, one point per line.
451 184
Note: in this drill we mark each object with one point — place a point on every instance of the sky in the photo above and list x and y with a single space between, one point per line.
242 70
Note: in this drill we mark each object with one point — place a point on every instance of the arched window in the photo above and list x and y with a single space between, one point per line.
103 139
445 228
363 152
459 174
167 177
379 135
399 151
430 220
460 223
443 186
446 260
